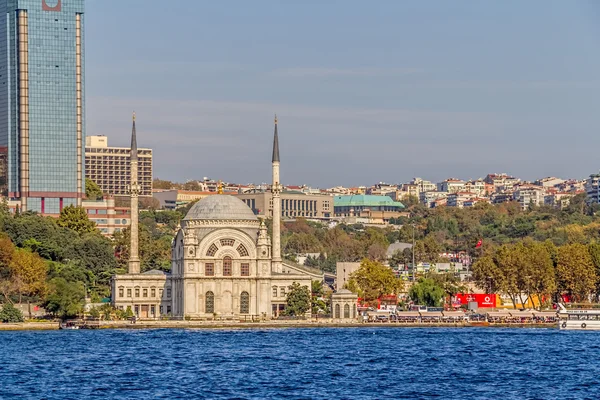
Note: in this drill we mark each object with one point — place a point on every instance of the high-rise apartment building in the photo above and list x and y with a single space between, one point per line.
110 167
42 117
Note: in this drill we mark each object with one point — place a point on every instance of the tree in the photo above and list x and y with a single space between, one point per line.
426 292
575 271
76 219
92 190
28 272
161 184
10 314
65 299
149 203
298 300
373 280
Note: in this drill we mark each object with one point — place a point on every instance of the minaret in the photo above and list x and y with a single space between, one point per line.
276 192
134 192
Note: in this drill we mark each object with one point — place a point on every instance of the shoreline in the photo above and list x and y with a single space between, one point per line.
44 326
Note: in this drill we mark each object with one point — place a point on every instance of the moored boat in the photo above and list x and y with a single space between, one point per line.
578 319
69 325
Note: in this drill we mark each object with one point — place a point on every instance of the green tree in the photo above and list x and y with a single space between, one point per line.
76 219
575 271
298 300
426 292
65 299
10 314
92 190
373 280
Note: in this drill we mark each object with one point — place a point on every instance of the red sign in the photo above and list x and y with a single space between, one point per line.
47 7
483 300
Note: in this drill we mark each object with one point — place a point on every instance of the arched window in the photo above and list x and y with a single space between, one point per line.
212 250
346 311
227 266
244 303
354 311
337 311
209 307
242 250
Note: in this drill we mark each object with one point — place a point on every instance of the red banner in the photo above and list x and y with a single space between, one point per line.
483 300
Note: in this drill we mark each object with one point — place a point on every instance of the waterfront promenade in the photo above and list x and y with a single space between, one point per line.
272 324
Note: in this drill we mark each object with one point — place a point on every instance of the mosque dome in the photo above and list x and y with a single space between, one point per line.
220 207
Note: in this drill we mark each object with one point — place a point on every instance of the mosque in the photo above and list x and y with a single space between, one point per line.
223 261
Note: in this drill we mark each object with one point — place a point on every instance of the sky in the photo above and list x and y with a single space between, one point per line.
364 91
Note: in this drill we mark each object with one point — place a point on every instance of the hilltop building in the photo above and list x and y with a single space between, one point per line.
223 263
293 204
367 209
42 107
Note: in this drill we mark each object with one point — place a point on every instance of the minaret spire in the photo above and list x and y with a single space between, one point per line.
276 193
275 143
134 192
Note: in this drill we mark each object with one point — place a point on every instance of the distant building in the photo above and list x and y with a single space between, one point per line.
529 195
109 218
372 209
109 167
501 181
293 204
592 188
428 198
549 182
423 185
459 198
451 185
174 198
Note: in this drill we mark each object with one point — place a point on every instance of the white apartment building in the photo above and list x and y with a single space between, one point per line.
592 189
529 194
451 185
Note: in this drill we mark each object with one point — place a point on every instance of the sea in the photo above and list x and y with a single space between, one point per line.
298 363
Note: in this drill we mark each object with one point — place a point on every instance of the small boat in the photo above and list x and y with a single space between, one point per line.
578 319
69 325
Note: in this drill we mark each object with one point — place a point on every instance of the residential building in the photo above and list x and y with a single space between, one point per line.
479 187
459 198
42 107
423 185
592 188
471 202
451 185
559 199
368 208
293 204
528 195
110 168
501 181
549 182
428 198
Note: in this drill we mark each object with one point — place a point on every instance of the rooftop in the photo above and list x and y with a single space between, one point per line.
365 200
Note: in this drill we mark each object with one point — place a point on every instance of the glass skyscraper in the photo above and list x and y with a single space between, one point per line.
42 118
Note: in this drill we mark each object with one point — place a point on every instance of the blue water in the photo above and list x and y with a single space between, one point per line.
364 363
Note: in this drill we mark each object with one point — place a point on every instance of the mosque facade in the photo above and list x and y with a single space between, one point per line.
224 263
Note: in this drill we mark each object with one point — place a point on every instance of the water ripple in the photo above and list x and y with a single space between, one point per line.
301 364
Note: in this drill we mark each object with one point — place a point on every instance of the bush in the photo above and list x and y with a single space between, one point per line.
11 314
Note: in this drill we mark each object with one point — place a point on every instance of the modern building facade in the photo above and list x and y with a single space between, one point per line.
172 199
293 204
110 167
42 103
109 218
